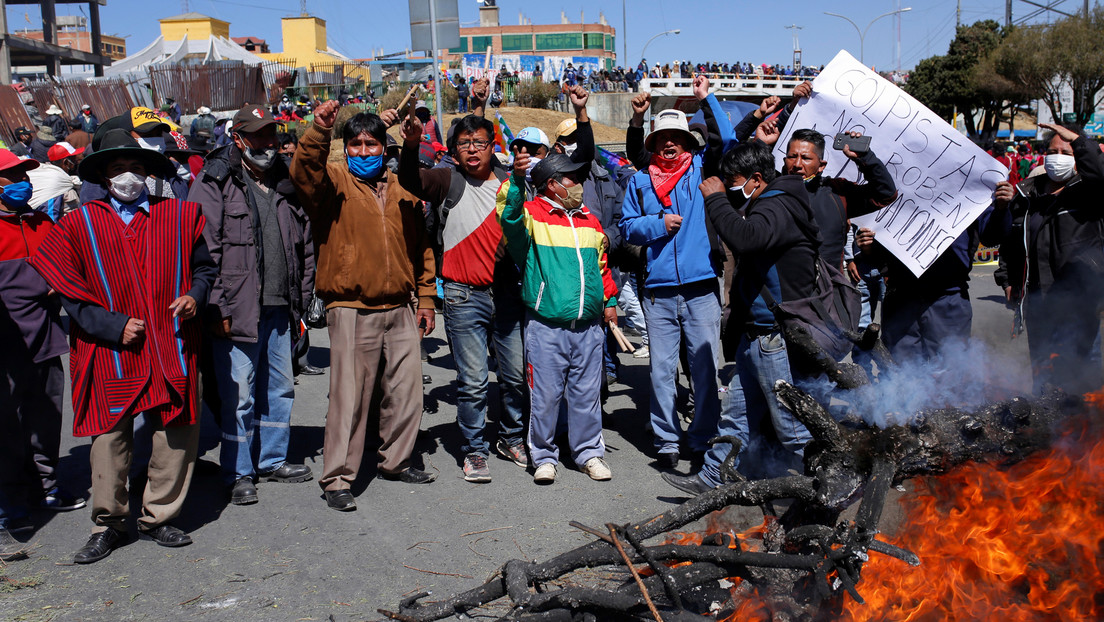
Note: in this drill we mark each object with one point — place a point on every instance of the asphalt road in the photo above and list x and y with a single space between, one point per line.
289 557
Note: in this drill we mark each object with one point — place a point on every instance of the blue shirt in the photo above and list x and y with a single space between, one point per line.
126 211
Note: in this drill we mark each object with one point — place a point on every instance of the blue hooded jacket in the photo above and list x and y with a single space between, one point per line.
678 259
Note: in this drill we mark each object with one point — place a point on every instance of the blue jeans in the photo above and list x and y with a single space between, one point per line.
257 389
474 320
760 361
692 310
871 289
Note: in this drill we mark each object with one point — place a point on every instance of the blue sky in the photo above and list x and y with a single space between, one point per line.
721 30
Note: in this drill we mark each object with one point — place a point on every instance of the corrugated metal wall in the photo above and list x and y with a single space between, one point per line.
12 113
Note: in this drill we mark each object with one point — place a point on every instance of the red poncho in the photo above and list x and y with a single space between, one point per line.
137 270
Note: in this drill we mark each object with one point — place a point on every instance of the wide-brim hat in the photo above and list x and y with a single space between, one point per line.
669 119
136 120
553 164
53 109
116 143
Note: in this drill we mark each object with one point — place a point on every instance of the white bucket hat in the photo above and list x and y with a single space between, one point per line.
669 119
53 109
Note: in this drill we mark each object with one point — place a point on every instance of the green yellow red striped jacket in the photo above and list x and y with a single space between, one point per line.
561 254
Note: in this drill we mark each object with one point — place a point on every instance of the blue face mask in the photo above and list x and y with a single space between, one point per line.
17 195
365 167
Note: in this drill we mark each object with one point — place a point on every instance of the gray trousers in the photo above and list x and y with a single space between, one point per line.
565 364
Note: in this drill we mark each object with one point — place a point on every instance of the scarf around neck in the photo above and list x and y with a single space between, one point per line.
666 173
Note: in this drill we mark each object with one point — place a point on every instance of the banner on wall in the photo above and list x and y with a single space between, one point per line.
944 181
472 65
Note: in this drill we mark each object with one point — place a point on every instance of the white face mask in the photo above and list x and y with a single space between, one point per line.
533 162
747 195
127 187
569 150
156 143
1059 167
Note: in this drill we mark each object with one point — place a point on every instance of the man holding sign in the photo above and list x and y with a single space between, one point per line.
945 183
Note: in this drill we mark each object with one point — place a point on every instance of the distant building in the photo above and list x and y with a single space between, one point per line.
187 38
252 44
72 32
304 40
563 39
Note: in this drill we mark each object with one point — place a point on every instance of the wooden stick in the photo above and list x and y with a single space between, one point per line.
487 61
443 574
472 533
621 339
410 93
628 562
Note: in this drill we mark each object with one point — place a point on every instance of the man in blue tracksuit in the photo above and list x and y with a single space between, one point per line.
664 213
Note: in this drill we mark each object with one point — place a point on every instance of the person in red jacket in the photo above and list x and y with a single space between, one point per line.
132 276
30 363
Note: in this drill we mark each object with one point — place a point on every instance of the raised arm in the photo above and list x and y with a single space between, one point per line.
308 166
634 135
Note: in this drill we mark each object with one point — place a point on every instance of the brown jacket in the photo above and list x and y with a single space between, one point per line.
373 251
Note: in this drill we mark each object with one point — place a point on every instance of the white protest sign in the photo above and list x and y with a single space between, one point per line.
944 181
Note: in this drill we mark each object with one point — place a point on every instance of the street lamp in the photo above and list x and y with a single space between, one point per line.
862 33
666 32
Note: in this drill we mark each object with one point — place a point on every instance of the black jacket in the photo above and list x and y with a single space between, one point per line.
1058 238
775 246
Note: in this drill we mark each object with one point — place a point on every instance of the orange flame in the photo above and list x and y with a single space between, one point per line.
1017 543
1014 543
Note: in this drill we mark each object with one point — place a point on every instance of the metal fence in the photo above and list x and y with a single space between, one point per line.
220 86
12 114
108 97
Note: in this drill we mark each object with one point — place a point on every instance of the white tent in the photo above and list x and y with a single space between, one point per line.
162 52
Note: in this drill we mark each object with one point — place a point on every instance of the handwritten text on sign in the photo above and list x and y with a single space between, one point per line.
943 180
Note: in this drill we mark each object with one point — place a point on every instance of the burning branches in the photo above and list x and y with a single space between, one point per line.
808 558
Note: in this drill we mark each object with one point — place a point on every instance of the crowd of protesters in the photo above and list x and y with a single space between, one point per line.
203 257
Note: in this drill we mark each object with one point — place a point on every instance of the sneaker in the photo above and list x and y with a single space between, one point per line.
514 453
60 501
475 469
597 469
545 473
642 353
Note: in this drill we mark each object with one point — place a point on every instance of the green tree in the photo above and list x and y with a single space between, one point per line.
1044 60
951 82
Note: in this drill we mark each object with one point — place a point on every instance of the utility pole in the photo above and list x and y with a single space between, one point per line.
796 46
958 16
1007 13
624 37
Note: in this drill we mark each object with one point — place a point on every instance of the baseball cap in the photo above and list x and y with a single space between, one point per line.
144 120
9 160
19 131
669 119
533 136
62 150
426 155
565 128
252 118
553 164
